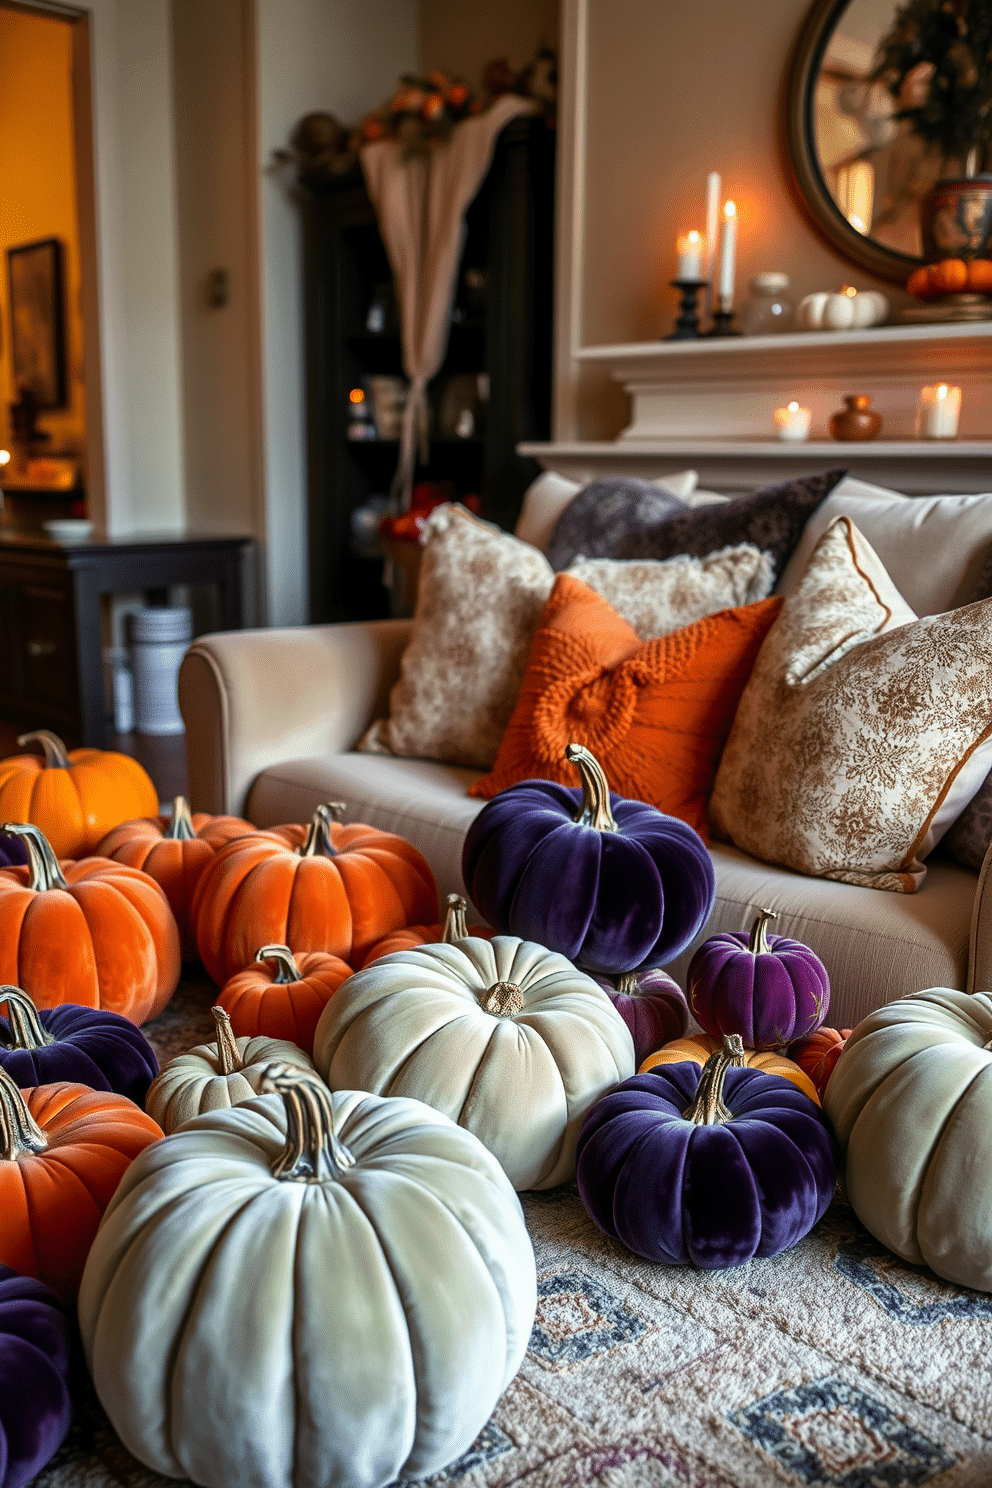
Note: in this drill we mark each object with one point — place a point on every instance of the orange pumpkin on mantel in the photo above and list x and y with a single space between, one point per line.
92 931
697 1048
74 796
282 996
174 850
324 887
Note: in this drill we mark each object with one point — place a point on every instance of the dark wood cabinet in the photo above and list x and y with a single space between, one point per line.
501 329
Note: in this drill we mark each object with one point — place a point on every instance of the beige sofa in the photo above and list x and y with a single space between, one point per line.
273 717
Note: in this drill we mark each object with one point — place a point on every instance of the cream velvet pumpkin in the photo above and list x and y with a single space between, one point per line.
212 1076
911 1100
507 1038
308 1291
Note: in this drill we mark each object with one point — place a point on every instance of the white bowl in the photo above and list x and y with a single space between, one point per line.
67 529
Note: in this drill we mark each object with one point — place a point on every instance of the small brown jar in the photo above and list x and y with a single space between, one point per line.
856 420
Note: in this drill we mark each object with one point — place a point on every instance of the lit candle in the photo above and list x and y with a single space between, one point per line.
939 411
709 247
793 422
728 240
690 256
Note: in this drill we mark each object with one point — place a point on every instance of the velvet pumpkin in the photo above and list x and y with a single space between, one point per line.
282 996
74 796
92 932
817 1055
174 850
211 1077
324 887
767 988
63 1149
371 1291
86 1045
699 1047
507 1038
712 1167
13 853
653 1006
614 885
455 927
36 1349
910 1099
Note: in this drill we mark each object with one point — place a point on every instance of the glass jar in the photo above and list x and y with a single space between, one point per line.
766 309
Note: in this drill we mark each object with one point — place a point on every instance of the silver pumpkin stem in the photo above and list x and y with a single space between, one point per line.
181 826
313 1152
228 1052
20 1134
455 920
707 1107
44 865
758 940
317 842
27 1029
595 809
286 968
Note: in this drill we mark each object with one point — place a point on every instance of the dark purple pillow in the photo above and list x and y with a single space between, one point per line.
772 518
603 514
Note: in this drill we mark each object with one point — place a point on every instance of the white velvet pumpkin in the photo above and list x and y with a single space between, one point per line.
210 1077
507 1038
910 1099
270 1306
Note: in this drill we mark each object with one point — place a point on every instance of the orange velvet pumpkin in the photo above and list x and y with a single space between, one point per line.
455 927
63 1151
319 888
980 276
951 276
699 1047
174 850
93 932
75 797
282 996
817 1054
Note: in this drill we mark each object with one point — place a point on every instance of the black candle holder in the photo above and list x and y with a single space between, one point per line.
687 324
721 324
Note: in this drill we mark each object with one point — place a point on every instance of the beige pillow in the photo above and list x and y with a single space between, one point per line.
657 596
863 732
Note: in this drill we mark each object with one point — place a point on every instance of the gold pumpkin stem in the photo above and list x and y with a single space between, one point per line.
595 810
707 1107
758 942
56 754
27 1029
20 1134
502 999
317 842
181 826
286 967
628 984
455 920
44 865
227 1045
313 1152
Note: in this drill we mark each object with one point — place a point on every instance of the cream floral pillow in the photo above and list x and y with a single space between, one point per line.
863 731
659 595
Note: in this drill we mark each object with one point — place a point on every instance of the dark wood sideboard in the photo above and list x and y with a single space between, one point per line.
51 633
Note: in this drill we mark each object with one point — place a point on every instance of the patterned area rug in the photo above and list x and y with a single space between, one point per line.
833 1366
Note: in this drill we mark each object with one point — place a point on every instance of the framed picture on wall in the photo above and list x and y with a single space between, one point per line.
37 321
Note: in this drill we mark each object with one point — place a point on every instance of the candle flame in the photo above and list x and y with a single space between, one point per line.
793 407
730 209
356 396
4 457
848 289
695 237
942 390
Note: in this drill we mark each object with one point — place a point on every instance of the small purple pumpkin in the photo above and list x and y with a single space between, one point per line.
88 1046
768 988
709 1166
36 1333
13 853
614 885
653 1006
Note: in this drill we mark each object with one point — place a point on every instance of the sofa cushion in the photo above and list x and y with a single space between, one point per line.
655 713
659 596
850 756
547 497
599 520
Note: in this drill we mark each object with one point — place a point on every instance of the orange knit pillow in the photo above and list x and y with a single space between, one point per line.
655 714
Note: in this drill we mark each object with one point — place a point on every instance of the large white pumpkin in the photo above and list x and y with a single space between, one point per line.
308 1291
911 1100
507 1038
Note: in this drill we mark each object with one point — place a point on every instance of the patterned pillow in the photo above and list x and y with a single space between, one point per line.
863 731
657 597
772 518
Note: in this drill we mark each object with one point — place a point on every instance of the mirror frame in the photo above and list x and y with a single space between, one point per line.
811 44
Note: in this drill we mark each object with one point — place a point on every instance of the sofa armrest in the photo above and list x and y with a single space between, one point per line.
980 946
253 698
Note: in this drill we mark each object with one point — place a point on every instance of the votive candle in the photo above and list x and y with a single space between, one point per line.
792 422
939 411
690 256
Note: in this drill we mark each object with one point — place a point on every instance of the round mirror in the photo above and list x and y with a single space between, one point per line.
859 93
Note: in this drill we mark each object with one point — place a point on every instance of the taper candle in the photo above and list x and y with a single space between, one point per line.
728 241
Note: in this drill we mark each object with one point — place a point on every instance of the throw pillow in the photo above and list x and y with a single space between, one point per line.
863 731
547 497
772 518
657 597
598 521
654 713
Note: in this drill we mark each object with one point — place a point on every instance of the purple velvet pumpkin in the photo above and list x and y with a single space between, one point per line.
36 1333
711 1166
653 1006
13 853
614 885
89 1046
768 988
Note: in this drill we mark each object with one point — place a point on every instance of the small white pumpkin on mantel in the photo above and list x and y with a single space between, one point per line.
847 309
507 1038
